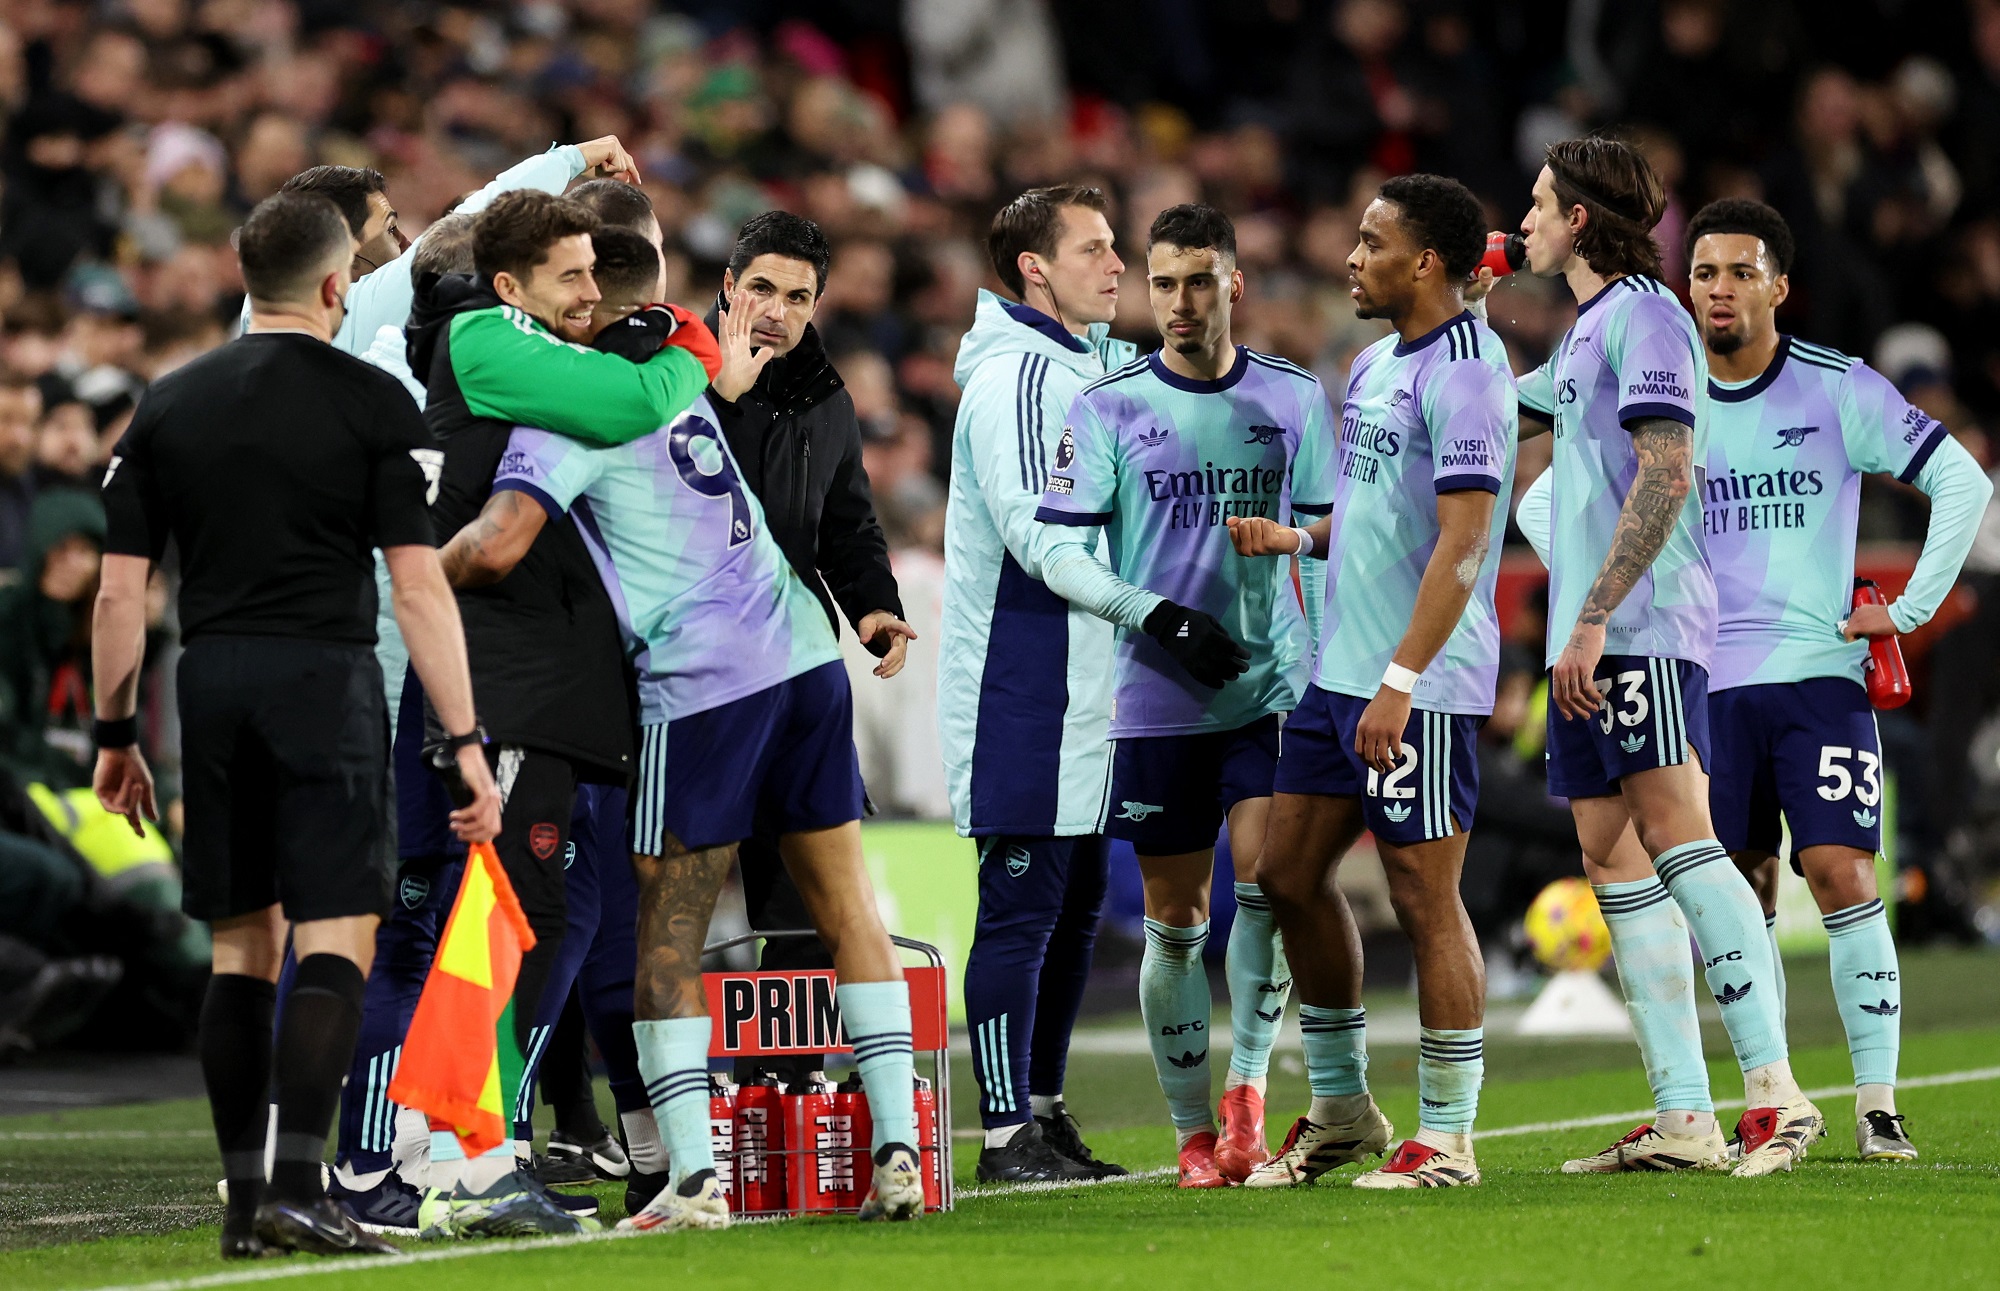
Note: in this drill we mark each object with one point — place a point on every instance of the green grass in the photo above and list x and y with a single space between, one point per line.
146 1202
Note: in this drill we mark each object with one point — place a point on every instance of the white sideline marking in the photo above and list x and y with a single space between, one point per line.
67 1136
1646 1113
468 1250
976 1192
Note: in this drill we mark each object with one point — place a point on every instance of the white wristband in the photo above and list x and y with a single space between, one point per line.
1305 542
1397 677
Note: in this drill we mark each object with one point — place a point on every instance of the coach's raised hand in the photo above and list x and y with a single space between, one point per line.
741 363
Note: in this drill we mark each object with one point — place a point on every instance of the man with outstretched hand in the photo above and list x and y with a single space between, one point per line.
274 465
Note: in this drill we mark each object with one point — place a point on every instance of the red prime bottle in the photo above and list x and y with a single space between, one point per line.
1505 253
1888 678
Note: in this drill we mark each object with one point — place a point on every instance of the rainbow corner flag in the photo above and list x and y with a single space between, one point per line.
461 1050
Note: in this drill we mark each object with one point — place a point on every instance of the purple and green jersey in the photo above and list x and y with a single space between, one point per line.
1161 461
1632 354
1433 416
710 608
1786 453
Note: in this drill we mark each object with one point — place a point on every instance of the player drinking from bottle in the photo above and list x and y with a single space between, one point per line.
1159 454
1794 426
1631 635
1386 737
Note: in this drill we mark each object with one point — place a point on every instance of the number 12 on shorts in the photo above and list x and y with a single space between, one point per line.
1392 786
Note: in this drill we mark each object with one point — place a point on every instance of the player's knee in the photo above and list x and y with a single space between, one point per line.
1840 877
1286 882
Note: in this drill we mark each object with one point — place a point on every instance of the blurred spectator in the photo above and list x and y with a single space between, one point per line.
20 409
999 55
66 446
45 705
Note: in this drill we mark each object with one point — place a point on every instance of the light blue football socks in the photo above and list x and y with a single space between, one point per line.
1259 983
1173 1000
673 1061
1450 1067
876 1016
1728 924
1656 971
1867 989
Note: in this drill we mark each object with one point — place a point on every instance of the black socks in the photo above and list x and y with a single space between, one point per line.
234 1039
315 1046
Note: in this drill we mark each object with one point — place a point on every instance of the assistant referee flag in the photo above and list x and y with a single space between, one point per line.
461 1065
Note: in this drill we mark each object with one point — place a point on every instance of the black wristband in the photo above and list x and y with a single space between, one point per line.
115 732
474 738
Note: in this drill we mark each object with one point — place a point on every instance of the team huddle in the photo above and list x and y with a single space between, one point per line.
1698 522
1126 653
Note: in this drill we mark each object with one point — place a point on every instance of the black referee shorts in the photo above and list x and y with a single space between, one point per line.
285 762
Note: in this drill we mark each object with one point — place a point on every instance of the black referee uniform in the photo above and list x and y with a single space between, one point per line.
276 463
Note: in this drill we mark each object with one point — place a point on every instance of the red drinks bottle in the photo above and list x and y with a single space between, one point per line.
925 1101
1888 677
1505 253
820 1168
722 1135
760 1148
850 1104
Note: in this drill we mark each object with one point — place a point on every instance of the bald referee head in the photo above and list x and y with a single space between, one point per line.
275 465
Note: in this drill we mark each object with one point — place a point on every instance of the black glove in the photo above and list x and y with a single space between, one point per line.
639 336
1198 643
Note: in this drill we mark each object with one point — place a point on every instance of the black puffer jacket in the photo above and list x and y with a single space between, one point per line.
548 667
796 440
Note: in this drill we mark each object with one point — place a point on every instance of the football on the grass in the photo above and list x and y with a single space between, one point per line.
1565 928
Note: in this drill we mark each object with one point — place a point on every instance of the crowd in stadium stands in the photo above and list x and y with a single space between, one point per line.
140 132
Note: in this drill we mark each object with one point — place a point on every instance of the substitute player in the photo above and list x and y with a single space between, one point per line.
1794 426
1028 764
745 715
275 464
1409 650
1631 634
1160 454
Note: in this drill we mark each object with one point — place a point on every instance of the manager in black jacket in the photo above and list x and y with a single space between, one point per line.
791 426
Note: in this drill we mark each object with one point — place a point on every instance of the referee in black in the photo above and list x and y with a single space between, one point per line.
275 464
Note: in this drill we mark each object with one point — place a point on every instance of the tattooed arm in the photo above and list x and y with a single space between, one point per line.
1666 473
489 547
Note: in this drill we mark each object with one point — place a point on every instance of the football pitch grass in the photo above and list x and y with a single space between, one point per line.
125 1196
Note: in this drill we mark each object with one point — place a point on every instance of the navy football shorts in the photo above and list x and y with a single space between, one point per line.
1654 712
1429 795
1805 749
1171 793
784 755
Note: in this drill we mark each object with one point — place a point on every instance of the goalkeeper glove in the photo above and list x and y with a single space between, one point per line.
1197 642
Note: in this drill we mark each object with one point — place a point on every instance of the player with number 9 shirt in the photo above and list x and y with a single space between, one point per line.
745 716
